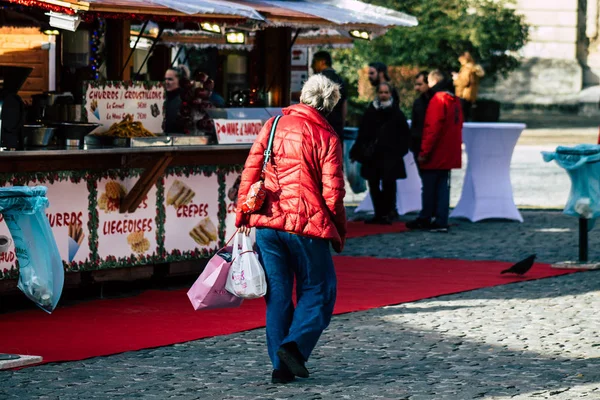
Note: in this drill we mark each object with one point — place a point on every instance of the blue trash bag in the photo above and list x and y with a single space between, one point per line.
41 271
582 163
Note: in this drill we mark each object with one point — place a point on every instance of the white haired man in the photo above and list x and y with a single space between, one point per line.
302 213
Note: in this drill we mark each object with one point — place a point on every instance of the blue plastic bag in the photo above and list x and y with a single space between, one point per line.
582 163
41 272
352 169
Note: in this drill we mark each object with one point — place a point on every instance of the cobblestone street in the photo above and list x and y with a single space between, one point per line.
528 340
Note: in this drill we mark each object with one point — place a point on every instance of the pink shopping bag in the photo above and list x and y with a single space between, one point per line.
209 289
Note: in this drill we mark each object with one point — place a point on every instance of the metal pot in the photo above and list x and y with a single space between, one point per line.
37 135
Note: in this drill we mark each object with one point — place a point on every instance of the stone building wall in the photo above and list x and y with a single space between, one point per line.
551 71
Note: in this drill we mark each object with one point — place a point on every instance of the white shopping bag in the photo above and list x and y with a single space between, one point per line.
246 276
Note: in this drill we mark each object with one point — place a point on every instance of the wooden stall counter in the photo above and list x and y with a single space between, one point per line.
114 211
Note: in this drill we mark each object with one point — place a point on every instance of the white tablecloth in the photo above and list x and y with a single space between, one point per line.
487 190
408 195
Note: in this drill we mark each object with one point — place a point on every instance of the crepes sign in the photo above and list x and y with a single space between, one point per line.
232 131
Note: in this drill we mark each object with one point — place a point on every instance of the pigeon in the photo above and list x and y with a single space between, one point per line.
521 267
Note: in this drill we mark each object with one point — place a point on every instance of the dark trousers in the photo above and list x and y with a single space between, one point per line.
435 195
383 196
467 107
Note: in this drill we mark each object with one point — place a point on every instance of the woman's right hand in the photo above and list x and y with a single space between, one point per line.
245 230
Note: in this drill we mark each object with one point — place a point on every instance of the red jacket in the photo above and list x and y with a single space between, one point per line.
304 181
442 133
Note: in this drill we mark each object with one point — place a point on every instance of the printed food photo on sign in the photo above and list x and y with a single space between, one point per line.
204 233
191 204
179 194
110 200
124 238
76 237
138 242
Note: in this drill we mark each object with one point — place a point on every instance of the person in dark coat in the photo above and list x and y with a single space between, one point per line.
176 81
383 140
418 113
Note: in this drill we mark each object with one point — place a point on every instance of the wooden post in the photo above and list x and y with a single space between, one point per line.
273 59
118 49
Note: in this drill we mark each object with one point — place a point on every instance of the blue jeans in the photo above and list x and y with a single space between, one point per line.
285 256
435 195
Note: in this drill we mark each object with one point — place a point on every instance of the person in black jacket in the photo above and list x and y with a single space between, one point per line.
418 114
383 140
177 81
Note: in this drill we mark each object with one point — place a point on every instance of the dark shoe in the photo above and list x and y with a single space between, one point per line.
282 376
378 221
393 216
289 354
438 228
418 223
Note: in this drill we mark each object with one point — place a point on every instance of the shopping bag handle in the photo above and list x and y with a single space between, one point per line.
229 241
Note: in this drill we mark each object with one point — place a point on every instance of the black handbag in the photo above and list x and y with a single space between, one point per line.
363 151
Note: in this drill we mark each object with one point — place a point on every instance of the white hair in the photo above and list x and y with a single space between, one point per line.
321 93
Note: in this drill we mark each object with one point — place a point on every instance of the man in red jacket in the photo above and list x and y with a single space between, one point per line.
440 152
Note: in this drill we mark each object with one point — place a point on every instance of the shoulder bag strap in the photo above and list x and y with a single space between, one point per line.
270 145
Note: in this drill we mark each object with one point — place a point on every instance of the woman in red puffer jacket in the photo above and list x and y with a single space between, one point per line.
303 212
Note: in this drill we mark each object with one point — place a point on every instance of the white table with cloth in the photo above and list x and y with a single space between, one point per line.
487 189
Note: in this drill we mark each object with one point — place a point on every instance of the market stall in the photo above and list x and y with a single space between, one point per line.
119 199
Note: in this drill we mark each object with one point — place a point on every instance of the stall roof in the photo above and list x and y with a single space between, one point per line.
340 12
200 39
297 13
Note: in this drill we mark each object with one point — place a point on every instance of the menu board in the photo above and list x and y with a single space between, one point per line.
191 212
111 102
128 235
232 131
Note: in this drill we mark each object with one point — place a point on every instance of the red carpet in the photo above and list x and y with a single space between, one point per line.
359 229
158 318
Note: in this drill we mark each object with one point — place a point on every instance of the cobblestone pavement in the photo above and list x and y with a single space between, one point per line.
529 340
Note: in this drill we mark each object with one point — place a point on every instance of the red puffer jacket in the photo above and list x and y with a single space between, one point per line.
442 133
304 182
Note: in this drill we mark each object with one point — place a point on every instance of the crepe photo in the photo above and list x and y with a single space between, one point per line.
204 233
179 194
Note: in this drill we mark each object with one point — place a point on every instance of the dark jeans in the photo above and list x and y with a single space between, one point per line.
435 195
383 196
285 256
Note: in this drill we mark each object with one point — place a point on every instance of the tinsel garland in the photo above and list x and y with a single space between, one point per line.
44 6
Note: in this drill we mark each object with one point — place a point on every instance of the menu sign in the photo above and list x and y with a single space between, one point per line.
113 101
232 131
191 212
128 235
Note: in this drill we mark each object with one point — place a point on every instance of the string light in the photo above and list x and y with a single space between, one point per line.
96 48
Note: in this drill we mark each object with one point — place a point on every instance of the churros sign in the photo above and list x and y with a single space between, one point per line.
112 102
231 131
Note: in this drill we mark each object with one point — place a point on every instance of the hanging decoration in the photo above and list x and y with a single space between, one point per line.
97 48
44 6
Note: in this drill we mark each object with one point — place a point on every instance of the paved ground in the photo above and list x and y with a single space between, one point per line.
531 340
